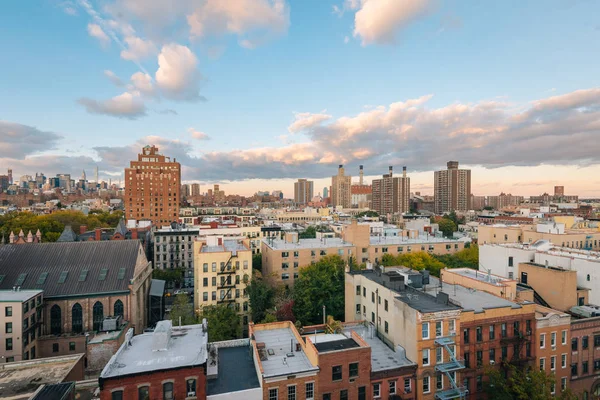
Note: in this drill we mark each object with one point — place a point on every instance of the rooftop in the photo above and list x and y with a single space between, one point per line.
480 276
57 391
333 342
19 380
228 245
403 240
236 371
325 243
166 348
17 295
544 246
275 360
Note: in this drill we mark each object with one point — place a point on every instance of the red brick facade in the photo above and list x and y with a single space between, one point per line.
343 358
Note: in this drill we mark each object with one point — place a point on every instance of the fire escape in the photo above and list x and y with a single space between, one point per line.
226 283
518 341
450 369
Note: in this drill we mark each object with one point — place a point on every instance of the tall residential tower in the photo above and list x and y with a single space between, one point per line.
391 194
452 189
303 191
341 193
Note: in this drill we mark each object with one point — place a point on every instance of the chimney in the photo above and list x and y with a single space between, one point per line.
404 171
391 168
98 234
82 229
360 175
134 234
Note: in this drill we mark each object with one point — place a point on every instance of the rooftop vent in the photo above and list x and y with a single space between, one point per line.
161 336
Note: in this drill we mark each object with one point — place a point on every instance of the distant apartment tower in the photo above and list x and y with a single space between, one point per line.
303 191
185 190
152 188
391 194
195 189
452 189
325 192
559 190
341 192
10 177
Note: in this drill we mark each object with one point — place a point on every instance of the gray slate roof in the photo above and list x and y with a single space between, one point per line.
36 259
67 235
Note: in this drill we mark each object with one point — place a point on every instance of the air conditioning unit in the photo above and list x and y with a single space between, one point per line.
452 333
492 362
191 394
528 332
352 380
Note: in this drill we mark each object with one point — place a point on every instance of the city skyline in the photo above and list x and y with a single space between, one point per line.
241 100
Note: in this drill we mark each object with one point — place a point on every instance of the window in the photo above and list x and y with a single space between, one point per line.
273 394
55 320
574 369
596 365
358 308
492 355
425 357
466 335
552 387
407 385
214 267
98 315
385 305
144 393
552 363
353 370
364 292
510 261
168 391
584 342
503 333
425 330
190 386
479 333
563 384
205 282
310 390
71 346
358 290
362 393
372 297
291 392
452 326
8 311
392 387
55 347
596 340
553 339
439 328
117 395
479 355
439 355
479 382
439 381
492 332
344 392
386 327
376 390
563 361
373 317
118 308
426 388
574 345
205 296
8 328
542 340
205 267
336 373
516 328
564 337
504 350
467 357
584 367
9 344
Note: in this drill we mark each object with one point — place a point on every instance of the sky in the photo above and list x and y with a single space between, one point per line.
253 94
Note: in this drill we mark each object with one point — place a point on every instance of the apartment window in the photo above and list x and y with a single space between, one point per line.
425 330
479 358
504 350
362 393
323 253
191 387
542 364
467 357
353 370
584 367
527 349
466 334
385 305
584 342
273 394
426 388
8 328
205 267
503 333
542 341
358 308
204 282
439 381
552 387
168 391
336 373
510 261
8 311
439 355
479 333
372 317
358 290
291 392
372 297
376 390
392 387
117 395
596 365
564 337
492 355
563 361
144 393
574 369
214 267
596 340
492 332
516 328
364 292
407 385
553 339
563 384
71 346
310 391
425 357
439 328
452 326
552 363
9 344
479 382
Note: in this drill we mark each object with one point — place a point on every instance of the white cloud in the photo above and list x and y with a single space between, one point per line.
113 78
142 83
138 48
125 105
379 21
197 134
303 121
177 76
96 31
18 141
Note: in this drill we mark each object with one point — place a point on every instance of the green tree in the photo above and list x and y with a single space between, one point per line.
369 214
182 308
257 261
447 226
320 284
309 233
172 277
467 258
223 322
517 384
261 296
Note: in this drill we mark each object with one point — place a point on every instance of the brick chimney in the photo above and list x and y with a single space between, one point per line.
82 229
98 236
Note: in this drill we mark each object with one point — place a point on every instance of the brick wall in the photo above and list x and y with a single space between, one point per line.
328 360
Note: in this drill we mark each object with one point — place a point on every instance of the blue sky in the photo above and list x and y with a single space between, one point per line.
500 84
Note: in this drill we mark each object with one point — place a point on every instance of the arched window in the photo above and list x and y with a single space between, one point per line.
118 308
55 320
98 315
77 318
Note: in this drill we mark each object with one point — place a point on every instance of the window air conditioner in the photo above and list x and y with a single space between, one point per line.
191 394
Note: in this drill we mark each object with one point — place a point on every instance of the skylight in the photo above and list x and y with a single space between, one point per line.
63 277
103 273
42 278
21 279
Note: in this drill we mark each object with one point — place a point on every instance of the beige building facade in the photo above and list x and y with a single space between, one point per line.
341 189
303 191
452 189
391 194
21 321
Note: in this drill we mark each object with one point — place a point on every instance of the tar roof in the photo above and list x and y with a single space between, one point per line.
334 343
18 295
70 269
278 244
186 348
22 378
236 371
277 342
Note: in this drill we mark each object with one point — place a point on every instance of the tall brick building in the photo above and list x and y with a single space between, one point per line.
452 189
391 194
152 188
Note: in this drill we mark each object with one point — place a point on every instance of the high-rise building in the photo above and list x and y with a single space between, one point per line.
152 188
341 189
325 192
10 177
391 194
452 189
4 183
559 190
185 190
303 191
195 189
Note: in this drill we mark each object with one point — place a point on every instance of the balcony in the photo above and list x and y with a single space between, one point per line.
226 300
225 285
458 393
450 366
445 340
226 271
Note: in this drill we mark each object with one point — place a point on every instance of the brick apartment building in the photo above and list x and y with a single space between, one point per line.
152 188
391 194
585 358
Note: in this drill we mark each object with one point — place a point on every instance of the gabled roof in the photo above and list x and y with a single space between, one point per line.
121 228
70 268
67 235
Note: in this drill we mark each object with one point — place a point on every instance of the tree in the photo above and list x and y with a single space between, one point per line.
257 261
320 284
467 258
418 261
447 226
223 322
309 233
172 277
261 296
517 384
369 214
183 309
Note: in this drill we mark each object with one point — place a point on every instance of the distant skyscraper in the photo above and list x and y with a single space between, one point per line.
10 177
452 189
325 192
83 177
303 191
341 194
391 194
152 188
185 190
195 189
559 190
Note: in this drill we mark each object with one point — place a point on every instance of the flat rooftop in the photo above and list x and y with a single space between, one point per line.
19 380
551 249
480 276
186 347
18 295
275 360
402 240
228 245
278 244
236 371
334 342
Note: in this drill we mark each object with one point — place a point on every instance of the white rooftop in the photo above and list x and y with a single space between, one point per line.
18 295
228 245
325 243
480 276
544 246
402 240
278 343
184 347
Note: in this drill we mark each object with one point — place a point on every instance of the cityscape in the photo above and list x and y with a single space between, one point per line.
421 234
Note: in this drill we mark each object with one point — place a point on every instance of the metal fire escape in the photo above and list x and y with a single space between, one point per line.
450 369
226 282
